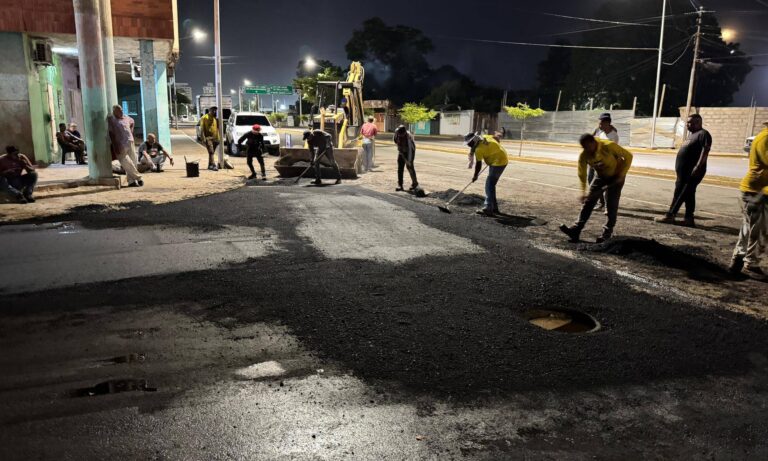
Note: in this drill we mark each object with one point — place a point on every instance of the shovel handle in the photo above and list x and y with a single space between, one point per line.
465 187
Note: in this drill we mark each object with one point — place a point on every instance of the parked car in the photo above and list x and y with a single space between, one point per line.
748 144
241 123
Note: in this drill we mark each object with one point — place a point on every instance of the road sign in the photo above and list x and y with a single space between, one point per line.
261 89
280 89
269 89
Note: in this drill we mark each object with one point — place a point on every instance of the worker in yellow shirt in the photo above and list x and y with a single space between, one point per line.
209 132
611 163
754 207
487 148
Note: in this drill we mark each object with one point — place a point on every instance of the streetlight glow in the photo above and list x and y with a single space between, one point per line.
728 34
231 91
247 82
310 63
198 35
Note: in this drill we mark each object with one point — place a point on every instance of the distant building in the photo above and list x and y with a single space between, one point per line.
185 89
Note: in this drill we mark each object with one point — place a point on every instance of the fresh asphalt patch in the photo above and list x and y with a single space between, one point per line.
446 324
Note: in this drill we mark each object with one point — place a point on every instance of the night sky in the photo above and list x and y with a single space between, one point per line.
263 41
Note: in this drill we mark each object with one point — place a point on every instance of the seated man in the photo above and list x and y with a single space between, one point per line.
152 155
69 143
79 138
12 166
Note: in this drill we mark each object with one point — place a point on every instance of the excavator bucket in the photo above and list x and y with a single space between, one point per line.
294 160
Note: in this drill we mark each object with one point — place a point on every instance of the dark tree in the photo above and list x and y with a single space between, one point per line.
552 74
394 58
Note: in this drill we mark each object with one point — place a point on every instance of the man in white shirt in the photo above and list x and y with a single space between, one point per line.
604 131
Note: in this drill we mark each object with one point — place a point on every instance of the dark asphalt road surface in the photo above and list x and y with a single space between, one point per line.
377 328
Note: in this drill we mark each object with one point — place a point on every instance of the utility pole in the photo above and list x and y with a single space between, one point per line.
658 74
692 81
217 65
661 102
557 106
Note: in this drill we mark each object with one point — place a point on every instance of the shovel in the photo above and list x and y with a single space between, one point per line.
311 164
444 208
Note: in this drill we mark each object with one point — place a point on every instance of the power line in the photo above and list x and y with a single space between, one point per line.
550 45
588 19
688 45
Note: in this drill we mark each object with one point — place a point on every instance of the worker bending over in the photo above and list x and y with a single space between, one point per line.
611 163
487 148
320 144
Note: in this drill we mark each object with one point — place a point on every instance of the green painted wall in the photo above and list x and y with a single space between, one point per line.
44 121
14 94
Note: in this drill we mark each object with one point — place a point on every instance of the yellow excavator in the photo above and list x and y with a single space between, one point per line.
339 112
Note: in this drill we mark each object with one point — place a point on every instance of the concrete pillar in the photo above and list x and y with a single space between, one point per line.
148 87
163 112
92 80
105 9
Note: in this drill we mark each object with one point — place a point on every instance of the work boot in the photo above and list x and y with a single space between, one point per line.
29 198
605 237
317 182
263 177
338 181
213 168
689 222
485 212
737 264
20 198
755 272
252 176
141 182
572 232
399 188
666 219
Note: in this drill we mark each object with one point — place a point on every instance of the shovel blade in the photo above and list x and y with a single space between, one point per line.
444 209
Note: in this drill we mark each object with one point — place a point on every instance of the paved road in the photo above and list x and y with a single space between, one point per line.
277 322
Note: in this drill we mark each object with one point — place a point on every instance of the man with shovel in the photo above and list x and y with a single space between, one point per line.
320 145
406 153
487 148
690 167
611 163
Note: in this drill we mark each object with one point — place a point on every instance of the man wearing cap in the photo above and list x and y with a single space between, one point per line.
754 208
254 142
611 163
12 178
487 148
209 132
320 144
690 168
608 132
406 154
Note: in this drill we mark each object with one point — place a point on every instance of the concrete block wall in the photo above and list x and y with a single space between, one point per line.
15 116
730 126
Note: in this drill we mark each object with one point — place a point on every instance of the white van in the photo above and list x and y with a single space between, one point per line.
241 123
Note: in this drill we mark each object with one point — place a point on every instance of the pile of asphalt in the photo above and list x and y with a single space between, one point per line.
461 200
648 251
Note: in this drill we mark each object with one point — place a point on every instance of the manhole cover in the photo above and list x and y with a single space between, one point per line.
562 320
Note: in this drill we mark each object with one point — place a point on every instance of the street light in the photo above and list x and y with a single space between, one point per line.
246 82
309 63
728 34
198 35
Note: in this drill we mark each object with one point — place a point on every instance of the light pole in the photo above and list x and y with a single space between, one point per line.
246 82
217 65
658 74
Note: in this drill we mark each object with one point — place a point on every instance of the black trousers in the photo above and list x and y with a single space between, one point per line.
23 184
612 197
329 156
258 154
401 164
685 192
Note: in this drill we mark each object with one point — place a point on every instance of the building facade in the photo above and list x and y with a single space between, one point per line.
40 72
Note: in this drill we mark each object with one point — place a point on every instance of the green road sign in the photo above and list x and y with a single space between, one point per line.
261 89
280 89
